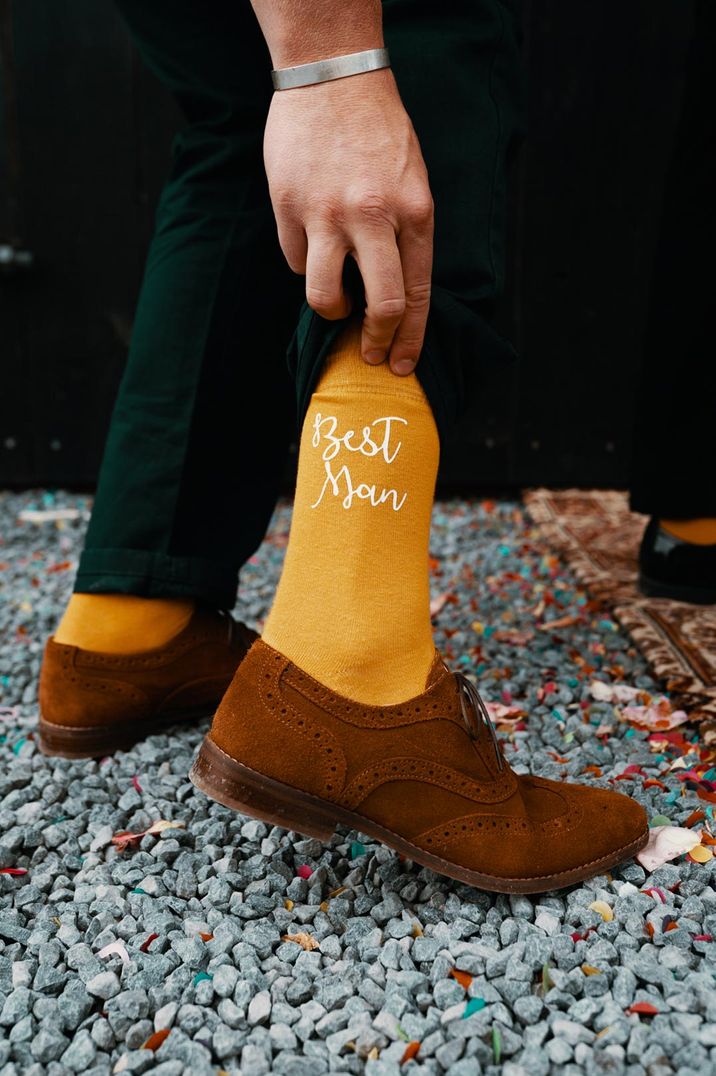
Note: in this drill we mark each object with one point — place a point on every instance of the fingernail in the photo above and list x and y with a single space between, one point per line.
374 357
403 366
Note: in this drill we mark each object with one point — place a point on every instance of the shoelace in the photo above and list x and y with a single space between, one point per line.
476 716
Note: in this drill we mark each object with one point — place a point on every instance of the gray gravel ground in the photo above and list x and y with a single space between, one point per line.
183 931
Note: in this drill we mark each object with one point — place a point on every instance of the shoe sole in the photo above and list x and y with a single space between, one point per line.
653 588
234 785
64 741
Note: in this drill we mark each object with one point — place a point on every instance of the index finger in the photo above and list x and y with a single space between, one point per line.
376 253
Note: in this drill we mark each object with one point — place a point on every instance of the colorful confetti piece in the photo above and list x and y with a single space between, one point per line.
411 1051
700 854
496 1044
603 909
462 977
306 941
116 948
144 947
155 1041
642 1008
666 843
124 839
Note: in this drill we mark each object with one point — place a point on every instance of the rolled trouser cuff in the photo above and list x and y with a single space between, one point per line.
460 344
157 575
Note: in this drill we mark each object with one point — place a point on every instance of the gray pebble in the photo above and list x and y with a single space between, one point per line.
105 985
81 1052
259 1008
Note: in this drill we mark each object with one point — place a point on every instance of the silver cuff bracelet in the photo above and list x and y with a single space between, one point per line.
355 63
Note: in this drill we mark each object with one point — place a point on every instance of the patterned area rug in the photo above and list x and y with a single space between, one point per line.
599 537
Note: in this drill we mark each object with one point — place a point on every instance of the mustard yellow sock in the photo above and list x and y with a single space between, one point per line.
122 623
696 531
352 606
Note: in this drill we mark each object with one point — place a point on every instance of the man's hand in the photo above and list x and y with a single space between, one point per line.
347 177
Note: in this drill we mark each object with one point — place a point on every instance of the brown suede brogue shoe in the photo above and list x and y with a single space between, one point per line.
92 703
427 777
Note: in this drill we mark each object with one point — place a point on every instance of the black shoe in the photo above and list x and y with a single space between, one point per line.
671 568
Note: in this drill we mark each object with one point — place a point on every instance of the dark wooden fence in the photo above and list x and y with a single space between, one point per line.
84 142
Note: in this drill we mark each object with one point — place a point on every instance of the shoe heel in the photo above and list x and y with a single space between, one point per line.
227 781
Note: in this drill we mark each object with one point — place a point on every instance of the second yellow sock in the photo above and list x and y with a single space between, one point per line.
122 623
696 531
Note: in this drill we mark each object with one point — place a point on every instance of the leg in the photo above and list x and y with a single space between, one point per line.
191 466
375 732
184 495
674 455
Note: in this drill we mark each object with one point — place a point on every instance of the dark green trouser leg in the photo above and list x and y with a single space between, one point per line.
674 458
204 415
202 419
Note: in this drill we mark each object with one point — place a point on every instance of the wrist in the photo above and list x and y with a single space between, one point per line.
294 53
321 32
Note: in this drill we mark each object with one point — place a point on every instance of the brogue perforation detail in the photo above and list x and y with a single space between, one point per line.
444 835
440 702
71 672
428 772
332 761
